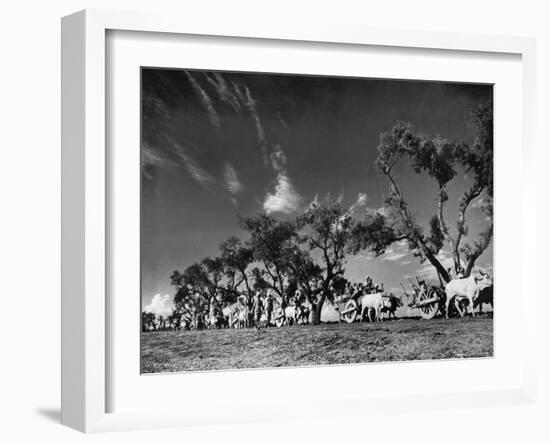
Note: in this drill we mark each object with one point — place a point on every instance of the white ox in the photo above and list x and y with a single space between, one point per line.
230 313
243 317
290 315
467 288
374 301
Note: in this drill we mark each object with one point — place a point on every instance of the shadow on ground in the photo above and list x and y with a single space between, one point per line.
51 414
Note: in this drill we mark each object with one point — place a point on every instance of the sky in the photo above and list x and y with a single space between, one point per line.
216 145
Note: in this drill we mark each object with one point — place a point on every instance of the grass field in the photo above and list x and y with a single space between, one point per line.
401 340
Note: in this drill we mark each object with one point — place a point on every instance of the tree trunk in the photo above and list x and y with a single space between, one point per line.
438 266
316 318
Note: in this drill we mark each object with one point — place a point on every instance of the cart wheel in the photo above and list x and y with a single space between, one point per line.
351 311
430 310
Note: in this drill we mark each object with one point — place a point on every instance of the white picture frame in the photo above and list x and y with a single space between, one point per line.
85 214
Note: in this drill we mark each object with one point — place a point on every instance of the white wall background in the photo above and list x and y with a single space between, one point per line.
30 214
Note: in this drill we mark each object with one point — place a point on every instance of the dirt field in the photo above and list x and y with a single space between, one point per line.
404 339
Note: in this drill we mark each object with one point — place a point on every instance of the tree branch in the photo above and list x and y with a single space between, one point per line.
414 235
480 247
465 201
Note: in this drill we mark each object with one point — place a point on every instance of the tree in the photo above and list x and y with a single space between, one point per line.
213 274
197 285
147 321
306 273
236 258
440 159
273 243
327 230
373 233
184 301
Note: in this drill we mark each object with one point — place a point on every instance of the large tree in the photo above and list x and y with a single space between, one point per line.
197 284
273 242
236 258
326 230
441 160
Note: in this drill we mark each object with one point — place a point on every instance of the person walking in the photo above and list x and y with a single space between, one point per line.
257 309
268 307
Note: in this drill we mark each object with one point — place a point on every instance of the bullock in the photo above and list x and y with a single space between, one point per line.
485 297
374 301
461 305
230 314
243 320
466 288
302 313
288 315
394 303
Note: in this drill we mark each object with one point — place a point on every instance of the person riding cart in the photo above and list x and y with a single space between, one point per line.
369 285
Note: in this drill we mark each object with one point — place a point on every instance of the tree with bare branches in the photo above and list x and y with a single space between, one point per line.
440 159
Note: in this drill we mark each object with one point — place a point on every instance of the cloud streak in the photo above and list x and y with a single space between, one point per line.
428 271
225 94
251 106
206 101
396 252
231 180
192 167
151 157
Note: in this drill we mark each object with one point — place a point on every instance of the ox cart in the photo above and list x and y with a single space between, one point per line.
292 315
351 308
428 299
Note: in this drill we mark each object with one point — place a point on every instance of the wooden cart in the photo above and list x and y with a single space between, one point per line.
428 299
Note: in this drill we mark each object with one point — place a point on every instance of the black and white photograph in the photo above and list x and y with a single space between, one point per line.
298 220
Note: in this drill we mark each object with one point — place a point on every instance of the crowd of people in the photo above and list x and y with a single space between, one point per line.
264 309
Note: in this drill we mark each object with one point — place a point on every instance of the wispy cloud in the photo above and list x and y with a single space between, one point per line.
225 94
278 159
285 198
160 305
479 202
173 154
283 122
428 271
393 256
314 201
251 105
193 168
397 252
151 157
360 202
231 180
363 256
157 105
206 101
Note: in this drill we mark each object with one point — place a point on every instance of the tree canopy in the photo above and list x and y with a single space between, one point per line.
440 159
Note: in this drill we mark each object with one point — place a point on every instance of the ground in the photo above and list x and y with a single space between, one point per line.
400 340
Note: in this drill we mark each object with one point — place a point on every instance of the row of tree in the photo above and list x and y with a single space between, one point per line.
310 251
